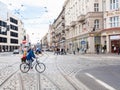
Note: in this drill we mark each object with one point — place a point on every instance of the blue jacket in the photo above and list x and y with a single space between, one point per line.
30 55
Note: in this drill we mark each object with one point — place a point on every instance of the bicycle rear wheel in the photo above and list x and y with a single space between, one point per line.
40 67
24 67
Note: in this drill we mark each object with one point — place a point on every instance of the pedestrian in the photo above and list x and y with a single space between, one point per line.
58 51
78 49
55 50
118 50
67 50
62 51
85 50
104 48
114 49
38 51
97 50
74 50
30 56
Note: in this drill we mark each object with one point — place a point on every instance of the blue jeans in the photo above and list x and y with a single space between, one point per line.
30 63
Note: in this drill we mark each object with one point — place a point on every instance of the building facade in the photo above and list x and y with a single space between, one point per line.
58 33
83 20
90 25
11 30
110 35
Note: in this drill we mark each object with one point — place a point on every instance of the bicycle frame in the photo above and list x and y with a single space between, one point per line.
35 62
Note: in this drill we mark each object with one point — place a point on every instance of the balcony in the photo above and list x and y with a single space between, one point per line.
95 14
63 31
67 28
53 32
53 41
63 38
53 36
81 18
73 23
63 17
63 24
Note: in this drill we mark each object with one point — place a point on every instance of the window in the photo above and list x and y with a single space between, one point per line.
96 24
2 23
13 34
15 41
13 20
96 7
114 4
13 27
3 40
3 32
114 21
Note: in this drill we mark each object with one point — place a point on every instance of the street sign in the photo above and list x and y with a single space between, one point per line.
83 42
24 42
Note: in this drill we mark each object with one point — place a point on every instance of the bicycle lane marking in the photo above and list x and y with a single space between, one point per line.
100 82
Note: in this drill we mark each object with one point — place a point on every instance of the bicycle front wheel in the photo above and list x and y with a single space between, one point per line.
40 67
24 67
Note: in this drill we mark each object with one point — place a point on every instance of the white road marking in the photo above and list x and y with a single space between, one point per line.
100 82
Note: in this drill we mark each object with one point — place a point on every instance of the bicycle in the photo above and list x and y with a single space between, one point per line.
39 67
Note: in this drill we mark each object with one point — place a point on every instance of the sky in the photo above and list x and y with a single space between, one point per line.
36 15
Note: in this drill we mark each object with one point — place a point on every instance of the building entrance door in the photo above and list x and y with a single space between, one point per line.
115 44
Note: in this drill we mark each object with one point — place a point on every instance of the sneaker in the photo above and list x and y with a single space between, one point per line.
31 67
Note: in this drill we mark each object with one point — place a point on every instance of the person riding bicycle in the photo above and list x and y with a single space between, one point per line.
38 51
30 56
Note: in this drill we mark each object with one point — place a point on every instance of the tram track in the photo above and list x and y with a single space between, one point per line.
66 77
58 79
52 81
38 82
3 82
7 73
21 82
43 81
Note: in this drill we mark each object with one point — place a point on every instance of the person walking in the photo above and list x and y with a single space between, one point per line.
55 51
114 49
118 50
78 49
97 50
74 50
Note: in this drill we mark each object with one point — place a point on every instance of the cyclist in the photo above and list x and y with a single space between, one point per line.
30 56
38 51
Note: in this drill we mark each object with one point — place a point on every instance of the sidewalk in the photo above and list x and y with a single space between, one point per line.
98 55
107 56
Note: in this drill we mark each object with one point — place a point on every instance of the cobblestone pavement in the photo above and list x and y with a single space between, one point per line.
11 78
59 74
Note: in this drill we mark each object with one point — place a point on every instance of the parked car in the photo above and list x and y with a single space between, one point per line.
16 51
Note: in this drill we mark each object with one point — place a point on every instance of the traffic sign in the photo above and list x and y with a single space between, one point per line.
24 41
83 42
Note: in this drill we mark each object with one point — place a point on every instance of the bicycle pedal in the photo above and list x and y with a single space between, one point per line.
31 67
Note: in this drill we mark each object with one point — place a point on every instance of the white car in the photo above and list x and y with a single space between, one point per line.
16 51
